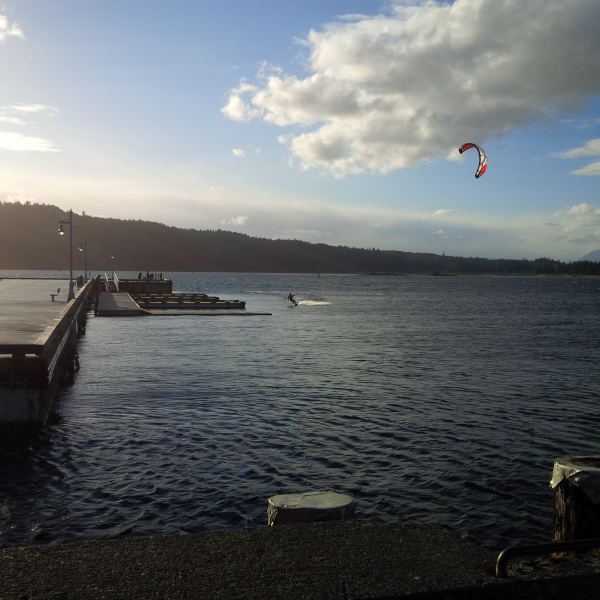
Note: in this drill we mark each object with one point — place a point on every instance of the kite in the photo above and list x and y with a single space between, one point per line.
482 157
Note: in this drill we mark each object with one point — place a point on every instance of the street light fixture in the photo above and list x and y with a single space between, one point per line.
61 231
82 247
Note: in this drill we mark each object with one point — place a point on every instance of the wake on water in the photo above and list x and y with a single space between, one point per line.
313 302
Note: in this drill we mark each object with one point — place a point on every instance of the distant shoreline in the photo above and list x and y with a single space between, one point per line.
336 273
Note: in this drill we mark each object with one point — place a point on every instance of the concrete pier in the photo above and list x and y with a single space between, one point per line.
37 337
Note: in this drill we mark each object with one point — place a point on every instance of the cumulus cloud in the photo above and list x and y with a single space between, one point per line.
236 109
389 91
17 142
8 29
238 152
581 210
235 221
578 224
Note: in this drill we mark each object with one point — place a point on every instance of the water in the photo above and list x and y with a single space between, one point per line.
437 399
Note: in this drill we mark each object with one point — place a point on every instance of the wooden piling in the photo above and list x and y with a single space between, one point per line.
576 483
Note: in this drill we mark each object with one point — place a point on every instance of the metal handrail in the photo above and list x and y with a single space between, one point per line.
536 549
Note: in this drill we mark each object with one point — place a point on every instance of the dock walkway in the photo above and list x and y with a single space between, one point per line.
27 310
37 345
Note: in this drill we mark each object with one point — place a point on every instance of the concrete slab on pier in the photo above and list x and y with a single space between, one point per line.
118 304
26 310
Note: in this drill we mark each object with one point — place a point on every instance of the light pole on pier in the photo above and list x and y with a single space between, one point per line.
82 247
61 231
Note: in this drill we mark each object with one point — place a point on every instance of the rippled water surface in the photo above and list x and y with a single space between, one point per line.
439 399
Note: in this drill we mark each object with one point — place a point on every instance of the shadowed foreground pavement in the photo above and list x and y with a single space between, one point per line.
342 560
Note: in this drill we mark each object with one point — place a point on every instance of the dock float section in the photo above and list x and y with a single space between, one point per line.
139 297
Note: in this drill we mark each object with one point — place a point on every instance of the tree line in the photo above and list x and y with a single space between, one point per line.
28 240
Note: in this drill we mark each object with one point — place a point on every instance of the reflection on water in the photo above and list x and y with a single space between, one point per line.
441 399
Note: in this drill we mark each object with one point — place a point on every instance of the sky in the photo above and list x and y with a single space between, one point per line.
325 121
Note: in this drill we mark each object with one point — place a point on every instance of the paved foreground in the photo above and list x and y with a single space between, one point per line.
322 560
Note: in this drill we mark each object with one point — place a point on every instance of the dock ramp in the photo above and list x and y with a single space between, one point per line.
118 304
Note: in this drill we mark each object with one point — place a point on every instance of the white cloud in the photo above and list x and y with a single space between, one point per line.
590 148
17 142
13 114
442 212
583 209
239 152
591 169
8 29
235 221
34 108
11 120
237 108
392 90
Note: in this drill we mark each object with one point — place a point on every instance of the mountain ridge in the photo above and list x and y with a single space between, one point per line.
28 240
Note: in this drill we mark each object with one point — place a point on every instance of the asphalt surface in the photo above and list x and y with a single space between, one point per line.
342 560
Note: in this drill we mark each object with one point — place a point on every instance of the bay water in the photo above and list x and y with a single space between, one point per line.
429 399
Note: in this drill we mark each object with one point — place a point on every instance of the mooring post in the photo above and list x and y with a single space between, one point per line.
576 484
309 506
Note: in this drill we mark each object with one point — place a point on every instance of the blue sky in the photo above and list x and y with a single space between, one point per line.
333 122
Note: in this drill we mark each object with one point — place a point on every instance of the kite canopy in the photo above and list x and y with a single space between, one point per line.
481 169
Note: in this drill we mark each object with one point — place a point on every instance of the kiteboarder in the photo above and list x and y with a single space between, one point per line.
292 299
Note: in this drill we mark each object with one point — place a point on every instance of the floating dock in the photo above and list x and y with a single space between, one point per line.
38 330
139 297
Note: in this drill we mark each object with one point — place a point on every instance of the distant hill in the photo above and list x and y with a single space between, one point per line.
28 240
593 256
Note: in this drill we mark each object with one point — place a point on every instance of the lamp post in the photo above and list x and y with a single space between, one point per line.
82 247
61 231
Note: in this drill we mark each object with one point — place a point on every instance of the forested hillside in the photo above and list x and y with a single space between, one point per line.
28 240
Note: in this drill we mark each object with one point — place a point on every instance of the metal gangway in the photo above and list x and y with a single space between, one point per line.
114 281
